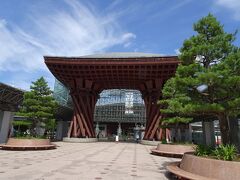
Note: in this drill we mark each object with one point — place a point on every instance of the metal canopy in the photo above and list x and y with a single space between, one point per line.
10 97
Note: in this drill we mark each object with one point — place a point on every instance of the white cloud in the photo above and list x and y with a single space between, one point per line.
180 4
177 51
128 44
126 39
175 5
233 5
77 32
127 36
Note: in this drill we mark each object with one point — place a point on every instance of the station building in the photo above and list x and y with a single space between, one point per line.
124 88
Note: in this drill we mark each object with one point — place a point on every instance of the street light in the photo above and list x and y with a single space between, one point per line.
202 88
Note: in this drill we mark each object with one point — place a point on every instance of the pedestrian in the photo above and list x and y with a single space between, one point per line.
137 137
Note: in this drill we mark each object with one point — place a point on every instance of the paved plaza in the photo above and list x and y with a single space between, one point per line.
101 160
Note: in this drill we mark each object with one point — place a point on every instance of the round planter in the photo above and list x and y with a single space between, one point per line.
194 167
80 140
28 144
172 150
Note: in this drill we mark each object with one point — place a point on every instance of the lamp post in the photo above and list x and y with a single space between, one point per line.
202 88
207 126
97 130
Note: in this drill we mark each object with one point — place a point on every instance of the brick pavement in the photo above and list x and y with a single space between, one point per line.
80 161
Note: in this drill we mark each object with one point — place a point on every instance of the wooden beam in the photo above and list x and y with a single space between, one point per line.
156 126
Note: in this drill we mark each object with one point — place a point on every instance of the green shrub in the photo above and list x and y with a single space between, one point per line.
19 134
30 137
226 152
202 150
164 141
22 135
183 143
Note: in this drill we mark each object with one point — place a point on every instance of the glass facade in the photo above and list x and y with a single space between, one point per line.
61 95
120 105
115 105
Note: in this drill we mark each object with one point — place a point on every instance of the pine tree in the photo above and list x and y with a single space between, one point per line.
38 105
207 83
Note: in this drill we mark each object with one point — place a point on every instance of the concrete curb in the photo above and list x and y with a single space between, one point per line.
80 140
149 143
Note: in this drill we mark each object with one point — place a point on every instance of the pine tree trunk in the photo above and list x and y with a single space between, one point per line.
234 131
33 128
175 133
224 128
163 134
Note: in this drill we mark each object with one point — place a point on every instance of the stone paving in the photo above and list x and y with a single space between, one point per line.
80 161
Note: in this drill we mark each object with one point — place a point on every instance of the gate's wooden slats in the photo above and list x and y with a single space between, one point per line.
70 129
156 126
82 118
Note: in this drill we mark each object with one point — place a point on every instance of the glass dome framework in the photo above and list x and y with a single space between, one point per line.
120 105
115 105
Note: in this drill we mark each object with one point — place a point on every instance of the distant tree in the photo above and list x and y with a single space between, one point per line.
38 105
207 81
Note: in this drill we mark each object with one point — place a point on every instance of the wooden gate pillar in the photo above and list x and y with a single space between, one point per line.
151 93
84 96
153 115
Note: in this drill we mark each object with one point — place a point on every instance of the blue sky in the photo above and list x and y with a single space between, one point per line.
31 29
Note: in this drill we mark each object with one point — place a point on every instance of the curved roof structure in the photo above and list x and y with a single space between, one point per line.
122 55
113 70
